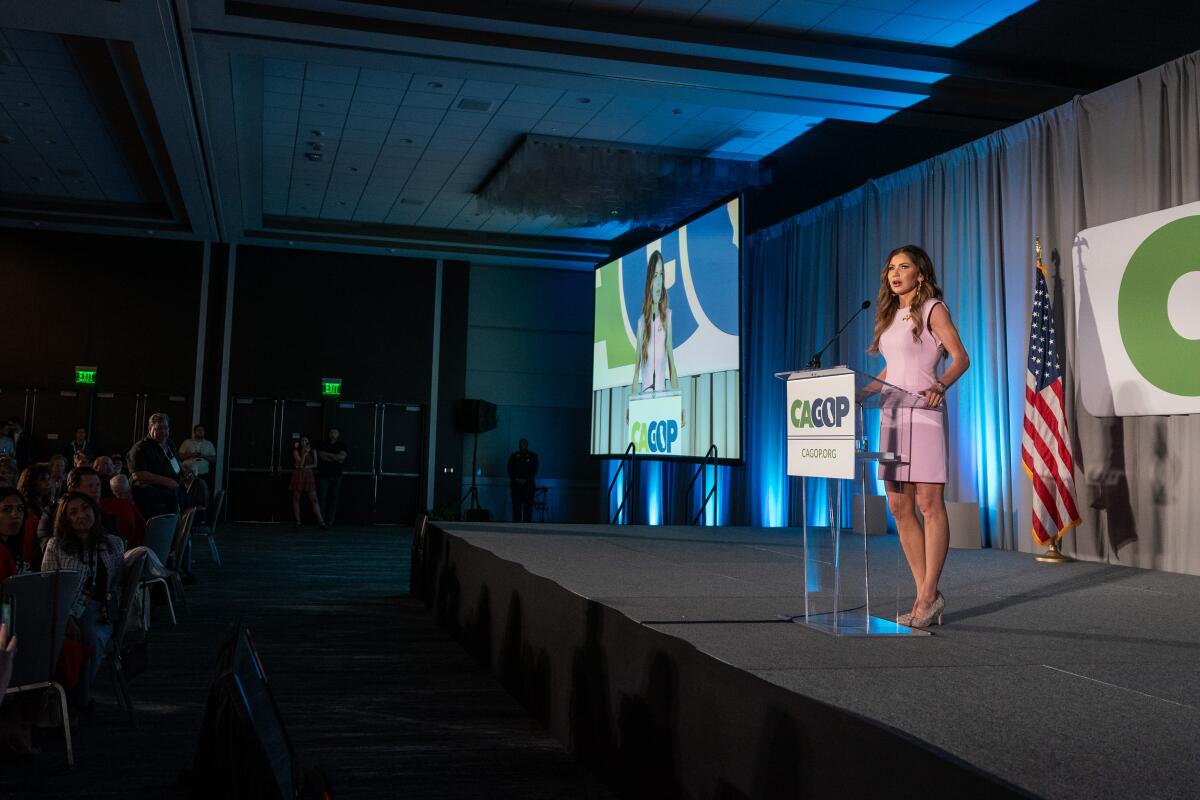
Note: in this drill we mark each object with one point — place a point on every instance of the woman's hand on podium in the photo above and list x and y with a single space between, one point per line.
934 396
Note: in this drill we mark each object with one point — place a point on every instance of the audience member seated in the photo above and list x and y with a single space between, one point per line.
118 462
104 468
81 459
34 486
131 525
8 472
80 543
83 480
199 454
58 475
8 445
155 471
12 521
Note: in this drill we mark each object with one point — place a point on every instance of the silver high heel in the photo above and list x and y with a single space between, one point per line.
935 613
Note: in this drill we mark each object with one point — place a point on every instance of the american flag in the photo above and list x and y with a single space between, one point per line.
1044 451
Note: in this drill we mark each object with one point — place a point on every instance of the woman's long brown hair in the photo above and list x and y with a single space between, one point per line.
648 300
69 538
887 303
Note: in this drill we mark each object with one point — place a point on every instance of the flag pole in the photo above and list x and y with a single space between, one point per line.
1053 554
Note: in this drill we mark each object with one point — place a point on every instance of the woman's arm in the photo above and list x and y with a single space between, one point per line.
297 459
943 327
637 359
671 356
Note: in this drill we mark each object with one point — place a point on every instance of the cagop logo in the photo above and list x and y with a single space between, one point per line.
1159 353
657 436
822 412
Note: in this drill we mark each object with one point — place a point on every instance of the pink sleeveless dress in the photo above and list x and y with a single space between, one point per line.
655 371
917 435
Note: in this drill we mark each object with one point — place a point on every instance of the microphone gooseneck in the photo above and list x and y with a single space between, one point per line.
815 361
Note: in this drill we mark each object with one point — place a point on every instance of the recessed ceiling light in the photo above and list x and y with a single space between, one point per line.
318 132
405 141
149 231
615 212
341 202
354 169
49 141
6 139
313 156
676 110
320 105
585 100
391 249
434 85
24 103
290 242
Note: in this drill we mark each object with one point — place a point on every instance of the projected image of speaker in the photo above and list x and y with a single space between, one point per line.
666 368
475 416
244 751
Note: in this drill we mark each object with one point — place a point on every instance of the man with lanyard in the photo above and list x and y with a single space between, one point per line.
155 471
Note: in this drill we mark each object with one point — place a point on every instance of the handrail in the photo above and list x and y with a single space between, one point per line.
709 457
627 459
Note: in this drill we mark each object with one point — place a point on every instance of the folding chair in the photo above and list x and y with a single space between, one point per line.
160 534
42 603
179 547
209 529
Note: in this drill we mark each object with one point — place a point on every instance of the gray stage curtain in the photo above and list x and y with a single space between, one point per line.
1127 150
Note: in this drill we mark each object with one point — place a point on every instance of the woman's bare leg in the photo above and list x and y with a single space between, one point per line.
902 503
931 500
296 507
316 506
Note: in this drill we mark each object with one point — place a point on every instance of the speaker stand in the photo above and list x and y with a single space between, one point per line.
472 493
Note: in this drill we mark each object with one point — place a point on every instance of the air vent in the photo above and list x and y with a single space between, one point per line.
472 104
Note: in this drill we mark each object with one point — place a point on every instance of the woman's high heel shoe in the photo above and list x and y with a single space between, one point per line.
905 619
935 613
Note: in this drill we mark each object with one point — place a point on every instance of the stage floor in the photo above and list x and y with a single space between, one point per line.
1075 680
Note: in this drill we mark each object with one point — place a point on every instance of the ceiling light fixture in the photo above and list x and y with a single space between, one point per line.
318 132
676 111
585 100
434 85
313 156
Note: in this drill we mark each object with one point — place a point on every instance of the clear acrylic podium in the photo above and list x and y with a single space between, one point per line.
826 411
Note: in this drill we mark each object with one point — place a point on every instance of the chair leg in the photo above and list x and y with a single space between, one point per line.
66 721
212 548
170 603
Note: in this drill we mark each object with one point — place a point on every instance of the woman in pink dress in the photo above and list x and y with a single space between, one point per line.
914 333
655 364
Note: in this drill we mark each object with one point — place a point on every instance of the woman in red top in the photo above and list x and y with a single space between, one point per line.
34 487
304 461
12 519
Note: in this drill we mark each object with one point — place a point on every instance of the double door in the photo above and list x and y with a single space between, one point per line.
381 476
114 420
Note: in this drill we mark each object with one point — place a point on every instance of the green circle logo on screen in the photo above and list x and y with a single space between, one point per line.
1157 311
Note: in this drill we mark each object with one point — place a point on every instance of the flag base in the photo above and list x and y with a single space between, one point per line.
1053 555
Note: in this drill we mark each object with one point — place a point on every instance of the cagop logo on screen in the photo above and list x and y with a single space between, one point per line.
821 412
657 436
1137 289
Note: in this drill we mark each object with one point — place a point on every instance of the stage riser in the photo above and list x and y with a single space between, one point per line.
655 717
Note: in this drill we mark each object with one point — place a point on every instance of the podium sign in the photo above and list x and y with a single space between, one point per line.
821 426
656 424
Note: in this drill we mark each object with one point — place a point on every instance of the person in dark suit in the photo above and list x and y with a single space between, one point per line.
522 470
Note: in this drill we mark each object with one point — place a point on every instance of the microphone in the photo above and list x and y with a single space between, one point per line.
815 361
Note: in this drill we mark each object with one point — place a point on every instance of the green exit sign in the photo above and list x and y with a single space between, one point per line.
85 375
331 387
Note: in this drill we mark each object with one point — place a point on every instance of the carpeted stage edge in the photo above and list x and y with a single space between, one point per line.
580 623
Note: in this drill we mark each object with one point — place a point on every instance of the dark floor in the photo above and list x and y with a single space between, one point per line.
369 688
